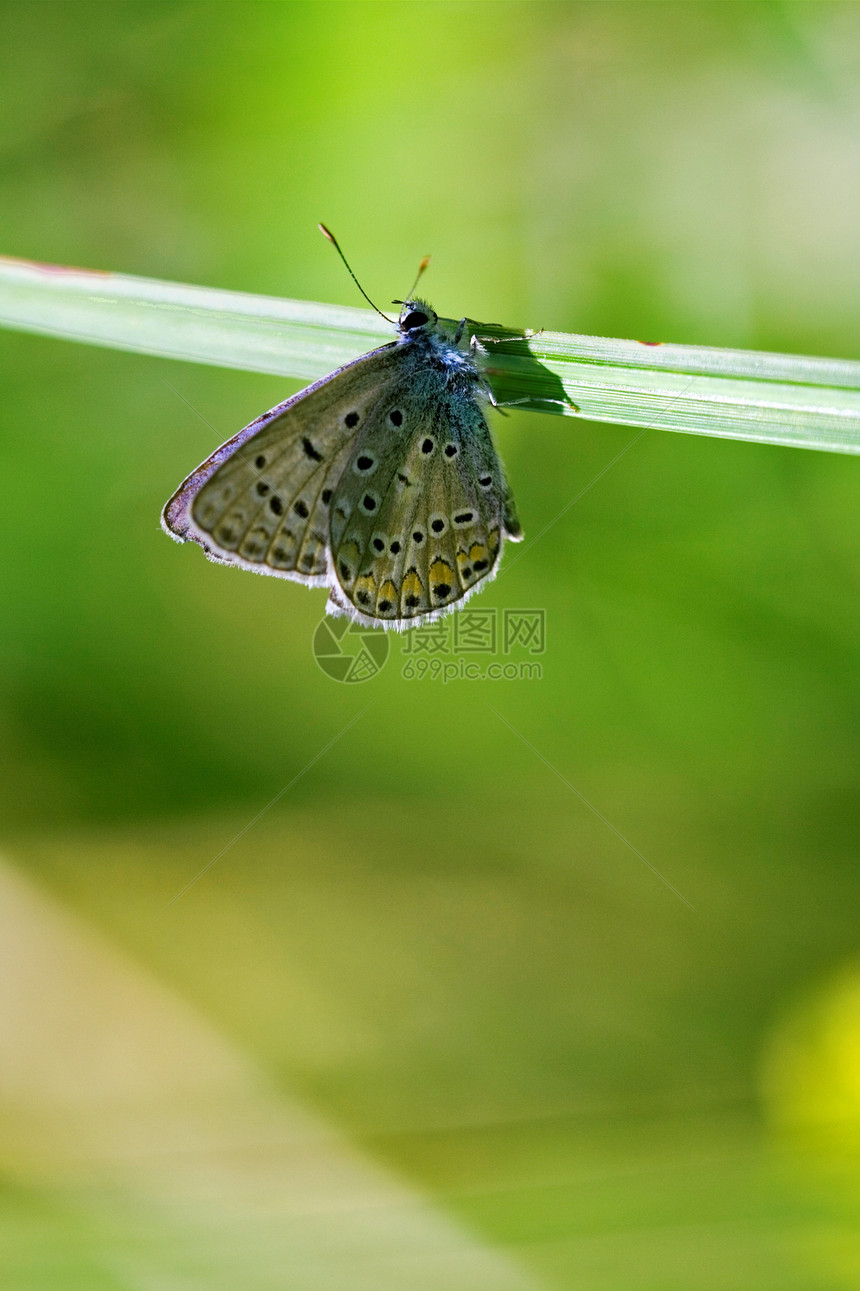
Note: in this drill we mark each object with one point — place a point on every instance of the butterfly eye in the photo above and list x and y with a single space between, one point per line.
413 319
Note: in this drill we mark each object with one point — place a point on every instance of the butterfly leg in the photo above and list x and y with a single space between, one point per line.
476 347
511 403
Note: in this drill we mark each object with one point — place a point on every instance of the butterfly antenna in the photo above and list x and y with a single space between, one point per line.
333 240
423 265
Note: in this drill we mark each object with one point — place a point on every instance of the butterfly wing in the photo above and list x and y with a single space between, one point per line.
263 499
422 509
380 480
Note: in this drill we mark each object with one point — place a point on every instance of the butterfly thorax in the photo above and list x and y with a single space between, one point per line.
421 330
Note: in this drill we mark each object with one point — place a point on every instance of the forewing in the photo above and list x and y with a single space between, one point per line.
263 500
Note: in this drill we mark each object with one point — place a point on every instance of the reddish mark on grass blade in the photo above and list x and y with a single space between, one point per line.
45 267
649 342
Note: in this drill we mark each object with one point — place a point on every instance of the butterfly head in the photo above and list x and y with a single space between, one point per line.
416 317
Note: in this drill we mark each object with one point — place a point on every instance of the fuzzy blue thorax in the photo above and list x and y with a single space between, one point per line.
419 325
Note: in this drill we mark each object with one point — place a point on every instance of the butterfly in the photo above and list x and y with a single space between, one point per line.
380 482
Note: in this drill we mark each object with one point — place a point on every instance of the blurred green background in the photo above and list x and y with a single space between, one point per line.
429 944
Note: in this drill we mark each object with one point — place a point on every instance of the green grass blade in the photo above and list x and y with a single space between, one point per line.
735 394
